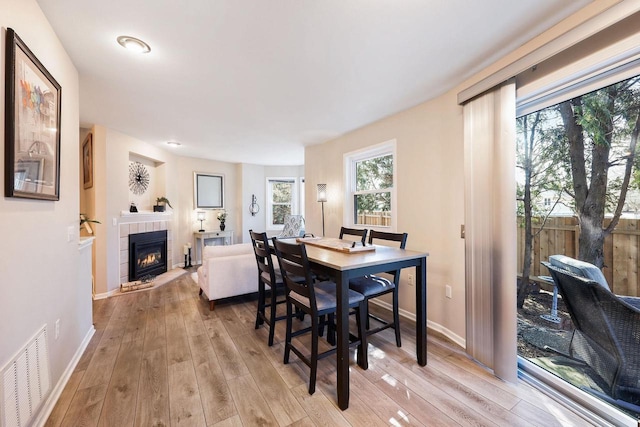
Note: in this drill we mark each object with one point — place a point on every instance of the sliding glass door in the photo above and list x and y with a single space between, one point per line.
578 201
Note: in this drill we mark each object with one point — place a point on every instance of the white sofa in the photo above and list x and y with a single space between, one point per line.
228 271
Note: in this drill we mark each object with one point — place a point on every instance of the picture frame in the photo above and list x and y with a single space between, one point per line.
32 125
208 190
87 161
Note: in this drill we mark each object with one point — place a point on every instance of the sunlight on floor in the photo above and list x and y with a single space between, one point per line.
402 416
389 380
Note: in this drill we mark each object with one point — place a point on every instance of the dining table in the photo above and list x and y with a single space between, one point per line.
329 256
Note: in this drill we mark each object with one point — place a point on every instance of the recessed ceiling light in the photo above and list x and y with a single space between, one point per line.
173 143
133 44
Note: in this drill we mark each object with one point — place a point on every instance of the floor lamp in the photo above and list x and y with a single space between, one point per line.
322 197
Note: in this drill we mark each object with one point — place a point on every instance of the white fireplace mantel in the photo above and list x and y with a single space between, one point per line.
144 216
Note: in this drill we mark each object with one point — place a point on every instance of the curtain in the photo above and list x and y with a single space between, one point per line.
490 229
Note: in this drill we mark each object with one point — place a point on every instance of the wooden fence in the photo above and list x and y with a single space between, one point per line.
382 218
560 236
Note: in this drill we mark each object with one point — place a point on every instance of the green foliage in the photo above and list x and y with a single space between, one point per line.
279 212
163 200
83 219
375 173
282 192
372 175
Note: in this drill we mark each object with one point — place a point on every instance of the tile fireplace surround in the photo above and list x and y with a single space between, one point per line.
142 222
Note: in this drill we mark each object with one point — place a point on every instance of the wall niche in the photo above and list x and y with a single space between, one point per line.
147 181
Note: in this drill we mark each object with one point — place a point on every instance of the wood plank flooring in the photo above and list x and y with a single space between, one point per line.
161 358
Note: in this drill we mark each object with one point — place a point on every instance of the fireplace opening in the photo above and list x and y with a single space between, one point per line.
147 254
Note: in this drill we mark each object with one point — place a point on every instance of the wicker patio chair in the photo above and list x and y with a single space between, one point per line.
606 335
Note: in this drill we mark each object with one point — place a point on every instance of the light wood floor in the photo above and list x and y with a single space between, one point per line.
161 358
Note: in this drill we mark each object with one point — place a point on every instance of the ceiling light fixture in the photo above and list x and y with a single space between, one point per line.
174 143
133 44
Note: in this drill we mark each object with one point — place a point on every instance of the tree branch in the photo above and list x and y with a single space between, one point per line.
627 177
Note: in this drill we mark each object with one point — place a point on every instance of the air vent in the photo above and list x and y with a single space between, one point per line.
25 382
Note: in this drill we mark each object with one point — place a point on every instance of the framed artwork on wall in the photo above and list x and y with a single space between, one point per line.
208 190
87 161
32 125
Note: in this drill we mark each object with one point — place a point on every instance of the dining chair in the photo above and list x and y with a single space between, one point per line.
356 232
316 299
267 277
373 286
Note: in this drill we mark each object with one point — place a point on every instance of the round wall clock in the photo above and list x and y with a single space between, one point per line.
138 178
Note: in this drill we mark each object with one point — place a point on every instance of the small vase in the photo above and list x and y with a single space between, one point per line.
222 226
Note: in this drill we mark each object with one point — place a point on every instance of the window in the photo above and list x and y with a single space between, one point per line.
282 196
370 182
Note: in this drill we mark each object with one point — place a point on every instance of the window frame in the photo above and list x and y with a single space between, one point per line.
350 160
295 206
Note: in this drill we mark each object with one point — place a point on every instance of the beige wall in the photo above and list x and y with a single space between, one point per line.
39 267
253 180
112 151
430 173
187 218
172 177
430 197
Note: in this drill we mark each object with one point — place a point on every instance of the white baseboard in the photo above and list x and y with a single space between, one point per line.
106 294
51 401
435 326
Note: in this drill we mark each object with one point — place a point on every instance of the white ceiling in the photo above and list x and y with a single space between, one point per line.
254 81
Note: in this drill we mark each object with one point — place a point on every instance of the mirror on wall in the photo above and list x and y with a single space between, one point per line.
208 190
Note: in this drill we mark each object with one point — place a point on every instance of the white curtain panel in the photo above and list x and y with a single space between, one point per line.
490 229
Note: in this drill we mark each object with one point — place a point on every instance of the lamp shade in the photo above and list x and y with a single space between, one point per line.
201 216
322 192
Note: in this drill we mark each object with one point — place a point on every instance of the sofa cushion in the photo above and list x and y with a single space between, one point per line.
227 250
579 268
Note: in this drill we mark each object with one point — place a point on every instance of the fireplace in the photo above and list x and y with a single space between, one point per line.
147 254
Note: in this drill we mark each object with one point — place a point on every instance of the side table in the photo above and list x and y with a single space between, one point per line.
200 238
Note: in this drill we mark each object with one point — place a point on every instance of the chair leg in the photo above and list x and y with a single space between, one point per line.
314 355
331 329
363 358
272 316
323 321
211 303
366 314
260 311
287 339
396 318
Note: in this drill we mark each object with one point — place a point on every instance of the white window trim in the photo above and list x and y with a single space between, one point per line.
349 160
269 200
301 195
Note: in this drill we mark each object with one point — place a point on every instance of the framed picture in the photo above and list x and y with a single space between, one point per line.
208 190
87 161
32 125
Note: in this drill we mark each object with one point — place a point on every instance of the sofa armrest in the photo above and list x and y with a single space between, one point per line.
227 276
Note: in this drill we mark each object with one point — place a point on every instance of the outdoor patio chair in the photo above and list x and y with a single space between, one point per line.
606 335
